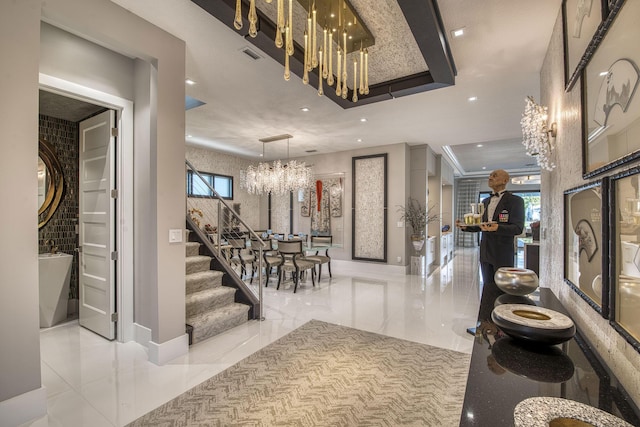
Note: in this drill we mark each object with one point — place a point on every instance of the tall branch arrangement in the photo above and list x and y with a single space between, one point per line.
418 216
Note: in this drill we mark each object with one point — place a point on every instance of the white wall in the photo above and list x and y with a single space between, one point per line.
564 108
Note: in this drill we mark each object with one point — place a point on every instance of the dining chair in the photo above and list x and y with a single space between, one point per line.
241 255
293 260
318 259
272 260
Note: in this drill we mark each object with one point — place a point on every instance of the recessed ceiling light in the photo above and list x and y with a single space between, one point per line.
190 82
479 145
364 119
484 167
359 140
472 98
305 109
458 33
604 73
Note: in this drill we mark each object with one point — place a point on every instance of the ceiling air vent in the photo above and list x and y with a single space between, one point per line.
250 53
311 151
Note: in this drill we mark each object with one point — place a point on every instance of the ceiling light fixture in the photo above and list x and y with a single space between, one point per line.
276 178
479 145
321 50
458 33
359 140
190 82
472 98
536 136
364 119
305 109
523 180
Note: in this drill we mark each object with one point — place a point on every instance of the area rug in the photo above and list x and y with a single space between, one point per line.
323 374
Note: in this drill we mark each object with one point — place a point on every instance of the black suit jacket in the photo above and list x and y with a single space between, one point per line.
496 248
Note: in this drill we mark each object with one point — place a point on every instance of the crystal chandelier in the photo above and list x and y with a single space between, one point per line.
536 135
276 178
332 29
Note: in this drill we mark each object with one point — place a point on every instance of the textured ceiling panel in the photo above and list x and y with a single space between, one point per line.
395 53
61 107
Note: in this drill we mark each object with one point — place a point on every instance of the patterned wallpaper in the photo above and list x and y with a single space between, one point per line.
369 224
215 162
619 355
63 135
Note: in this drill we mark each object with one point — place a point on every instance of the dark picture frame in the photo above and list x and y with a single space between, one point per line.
586 252
369 208
580 22
624 271
610 99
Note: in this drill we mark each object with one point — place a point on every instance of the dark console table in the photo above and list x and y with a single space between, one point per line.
504 372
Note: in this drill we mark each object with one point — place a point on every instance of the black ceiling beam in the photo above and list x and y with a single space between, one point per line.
425 22
426 26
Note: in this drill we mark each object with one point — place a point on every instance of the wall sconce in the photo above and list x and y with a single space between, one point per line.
536 134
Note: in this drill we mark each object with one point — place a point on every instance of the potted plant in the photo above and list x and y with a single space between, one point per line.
418 217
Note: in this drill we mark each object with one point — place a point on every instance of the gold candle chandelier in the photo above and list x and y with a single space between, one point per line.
326 21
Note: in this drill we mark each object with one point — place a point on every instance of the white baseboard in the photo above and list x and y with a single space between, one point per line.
168 350
141 335
372 267
25 407
161 353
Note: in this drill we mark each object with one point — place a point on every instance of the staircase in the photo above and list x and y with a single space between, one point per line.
210 306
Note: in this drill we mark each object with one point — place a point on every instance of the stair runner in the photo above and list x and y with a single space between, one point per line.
210 306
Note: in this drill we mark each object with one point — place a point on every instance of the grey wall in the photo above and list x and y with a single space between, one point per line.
564 108
397 193
20 47
19 315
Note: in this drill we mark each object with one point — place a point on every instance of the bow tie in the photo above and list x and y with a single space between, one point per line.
495 194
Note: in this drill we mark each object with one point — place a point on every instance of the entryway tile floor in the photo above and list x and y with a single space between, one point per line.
94 382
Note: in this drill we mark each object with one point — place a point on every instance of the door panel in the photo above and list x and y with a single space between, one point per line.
97 269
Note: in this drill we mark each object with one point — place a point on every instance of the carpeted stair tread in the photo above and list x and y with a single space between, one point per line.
212 323
202 280
209 299
198 263
192 248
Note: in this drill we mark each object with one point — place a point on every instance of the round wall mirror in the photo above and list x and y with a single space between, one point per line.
50 182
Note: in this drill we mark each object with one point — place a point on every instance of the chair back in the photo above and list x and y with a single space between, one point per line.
237 243
321 240
290 247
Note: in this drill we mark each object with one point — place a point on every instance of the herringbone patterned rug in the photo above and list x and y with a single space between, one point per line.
327 375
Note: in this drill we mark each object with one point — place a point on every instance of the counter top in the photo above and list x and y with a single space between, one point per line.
504 372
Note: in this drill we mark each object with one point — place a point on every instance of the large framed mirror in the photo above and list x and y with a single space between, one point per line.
50 182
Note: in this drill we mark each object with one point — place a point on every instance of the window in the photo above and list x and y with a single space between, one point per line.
222 184
531 205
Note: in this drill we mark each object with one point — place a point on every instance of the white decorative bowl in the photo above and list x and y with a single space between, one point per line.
516 281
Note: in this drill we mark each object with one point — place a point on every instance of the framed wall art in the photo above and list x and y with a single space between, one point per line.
586 244
610 100
369 208
624 202
580 19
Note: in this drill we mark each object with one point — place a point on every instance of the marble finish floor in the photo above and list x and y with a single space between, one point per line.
92 381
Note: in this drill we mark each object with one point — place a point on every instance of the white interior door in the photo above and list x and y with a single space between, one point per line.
97 243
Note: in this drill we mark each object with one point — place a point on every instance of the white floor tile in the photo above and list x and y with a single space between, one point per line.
94 382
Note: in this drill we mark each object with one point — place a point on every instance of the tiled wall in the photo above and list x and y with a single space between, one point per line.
61 228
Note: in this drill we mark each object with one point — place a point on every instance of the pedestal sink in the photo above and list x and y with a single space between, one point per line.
54 276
